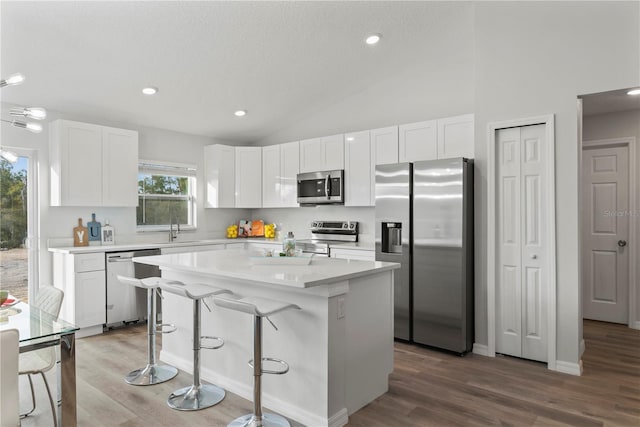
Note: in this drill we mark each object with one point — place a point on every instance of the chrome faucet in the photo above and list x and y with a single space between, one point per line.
173 234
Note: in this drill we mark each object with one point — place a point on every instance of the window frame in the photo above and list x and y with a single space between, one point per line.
189 171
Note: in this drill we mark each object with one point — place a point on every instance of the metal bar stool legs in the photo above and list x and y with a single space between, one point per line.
197 396
259 308
152 373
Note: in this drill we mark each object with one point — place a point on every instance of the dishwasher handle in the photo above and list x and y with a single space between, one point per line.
120 259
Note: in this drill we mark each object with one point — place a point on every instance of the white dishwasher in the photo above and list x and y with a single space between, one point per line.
126 303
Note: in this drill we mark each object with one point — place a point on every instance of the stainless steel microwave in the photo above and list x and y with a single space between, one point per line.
325 187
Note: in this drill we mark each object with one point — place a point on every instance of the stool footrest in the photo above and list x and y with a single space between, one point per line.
284 370
166 328
212 346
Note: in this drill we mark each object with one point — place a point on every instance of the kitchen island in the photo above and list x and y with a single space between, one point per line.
339 345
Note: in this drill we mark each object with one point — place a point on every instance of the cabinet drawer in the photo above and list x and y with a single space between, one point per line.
88 262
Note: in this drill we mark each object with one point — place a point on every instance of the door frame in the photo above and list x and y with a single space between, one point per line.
630 143
33 215
492 128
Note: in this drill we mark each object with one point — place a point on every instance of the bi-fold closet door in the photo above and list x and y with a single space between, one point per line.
522 253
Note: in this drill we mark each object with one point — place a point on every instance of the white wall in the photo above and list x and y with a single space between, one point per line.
56 223
533 59
619 125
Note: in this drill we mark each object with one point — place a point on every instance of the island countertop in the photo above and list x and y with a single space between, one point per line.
236 264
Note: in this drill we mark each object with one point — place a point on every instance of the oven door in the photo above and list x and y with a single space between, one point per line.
321 187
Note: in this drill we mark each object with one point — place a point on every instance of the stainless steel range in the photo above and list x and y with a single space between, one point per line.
323 233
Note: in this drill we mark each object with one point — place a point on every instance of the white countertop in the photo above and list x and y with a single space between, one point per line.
147 245
236 264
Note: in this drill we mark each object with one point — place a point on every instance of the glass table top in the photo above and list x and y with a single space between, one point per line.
32 323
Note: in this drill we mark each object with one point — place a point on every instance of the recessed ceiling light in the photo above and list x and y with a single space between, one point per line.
150 90
634 92
349 138
372 38
240 113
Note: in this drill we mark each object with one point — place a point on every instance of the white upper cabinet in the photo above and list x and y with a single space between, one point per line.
220 176
357 174
320 154
93 165
271 182
248 177
120 167
280 166
418 141
289 168
384 145
455 137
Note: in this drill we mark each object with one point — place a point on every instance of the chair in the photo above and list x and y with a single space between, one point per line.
197 396
258 307
9 402
152 373
48 300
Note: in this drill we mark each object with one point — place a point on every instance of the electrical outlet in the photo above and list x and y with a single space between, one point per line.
340 308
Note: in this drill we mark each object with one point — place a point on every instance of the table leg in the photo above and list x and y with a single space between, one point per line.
67 416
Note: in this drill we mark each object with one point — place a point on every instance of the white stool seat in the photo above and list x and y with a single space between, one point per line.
190 290
256 306
152 373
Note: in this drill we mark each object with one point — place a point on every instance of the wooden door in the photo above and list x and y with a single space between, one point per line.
605 231
521 299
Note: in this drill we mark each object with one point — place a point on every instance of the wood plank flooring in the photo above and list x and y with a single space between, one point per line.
427 388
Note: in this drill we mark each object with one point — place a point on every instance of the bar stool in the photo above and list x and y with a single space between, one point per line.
259 308
152 373
197 396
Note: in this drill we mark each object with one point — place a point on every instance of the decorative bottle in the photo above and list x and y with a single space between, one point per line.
289 244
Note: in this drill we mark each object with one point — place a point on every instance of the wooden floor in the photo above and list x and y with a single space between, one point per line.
427 388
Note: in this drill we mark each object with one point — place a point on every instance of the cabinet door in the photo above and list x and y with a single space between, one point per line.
455 137
119 167
80 165
357 174
90 298
353 254
384 145
333 152
220 176
289 168
311 157
248 177
418 141
271 179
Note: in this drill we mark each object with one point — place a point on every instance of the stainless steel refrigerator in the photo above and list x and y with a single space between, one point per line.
424 221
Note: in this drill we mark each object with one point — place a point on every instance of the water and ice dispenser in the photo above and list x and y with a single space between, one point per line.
391 237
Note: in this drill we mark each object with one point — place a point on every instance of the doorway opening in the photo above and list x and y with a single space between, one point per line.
18 242
610 207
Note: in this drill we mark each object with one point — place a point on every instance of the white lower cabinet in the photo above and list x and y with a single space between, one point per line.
359 254
82 278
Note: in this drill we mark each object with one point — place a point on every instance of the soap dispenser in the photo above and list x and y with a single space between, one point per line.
289 244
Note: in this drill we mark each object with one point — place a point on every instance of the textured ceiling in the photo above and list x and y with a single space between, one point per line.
279 60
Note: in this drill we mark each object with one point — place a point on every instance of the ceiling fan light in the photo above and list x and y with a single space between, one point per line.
35 113
9 156
30 126
12 80
634 92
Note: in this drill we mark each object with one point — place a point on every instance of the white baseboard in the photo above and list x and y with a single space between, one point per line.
635 325
480 349
338 419
582 347
569 367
